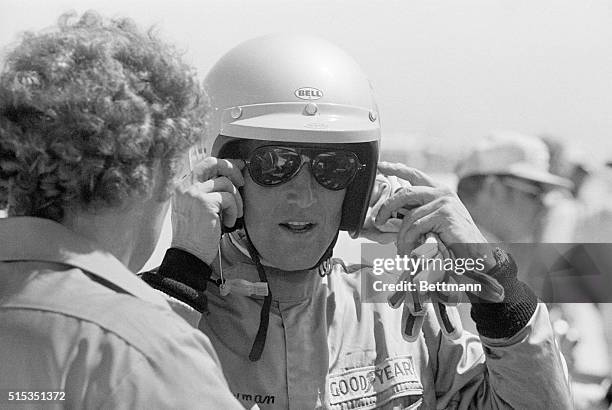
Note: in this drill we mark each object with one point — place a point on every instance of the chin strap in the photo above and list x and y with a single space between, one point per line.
323 267
264 316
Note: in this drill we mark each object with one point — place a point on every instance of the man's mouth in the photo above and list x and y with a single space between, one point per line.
298 227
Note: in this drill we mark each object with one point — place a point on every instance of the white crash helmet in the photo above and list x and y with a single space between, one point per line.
297 89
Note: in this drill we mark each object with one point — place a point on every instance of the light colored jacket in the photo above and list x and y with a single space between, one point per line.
325 348
73 319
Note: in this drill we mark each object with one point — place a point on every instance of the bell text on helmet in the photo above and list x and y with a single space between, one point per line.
308 93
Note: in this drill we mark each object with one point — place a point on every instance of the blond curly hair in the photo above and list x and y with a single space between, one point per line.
86 110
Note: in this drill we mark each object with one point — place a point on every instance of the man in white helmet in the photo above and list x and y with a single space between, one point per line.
296 115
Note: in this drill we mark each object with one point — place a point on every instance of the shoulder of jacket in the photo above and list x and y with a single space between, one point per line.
76 298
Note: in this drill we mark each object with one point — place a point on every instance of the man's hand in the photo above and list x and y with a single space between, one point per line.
207 198
432 207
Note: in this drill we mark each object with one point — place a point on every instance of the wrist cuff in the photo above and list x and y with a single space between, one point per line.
505 319
181 276
185 268
193 298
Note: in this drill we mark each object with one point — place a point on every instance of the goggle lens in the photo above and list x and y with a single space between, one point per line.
272 165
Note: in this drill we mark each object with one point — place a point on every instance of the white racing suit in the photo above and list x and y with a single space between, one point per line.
325 348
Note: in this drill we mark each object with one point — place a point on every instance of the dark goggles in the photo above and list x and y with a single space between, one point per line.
272 165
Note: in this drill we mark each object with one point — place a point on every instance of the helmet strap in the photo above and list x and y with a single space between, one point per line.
264 315
323 267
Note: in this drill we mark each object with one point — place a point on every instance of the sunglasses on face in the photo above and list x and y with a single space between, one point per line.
272 165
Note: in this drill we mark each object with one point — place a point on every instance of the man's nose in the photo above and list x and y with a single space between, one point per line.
301 189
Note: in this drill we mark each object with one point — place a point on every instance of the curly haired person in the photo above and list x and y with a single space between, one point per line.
95 117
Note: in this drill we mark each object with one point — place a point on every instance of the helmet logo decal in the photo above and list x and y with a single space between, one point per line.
308 93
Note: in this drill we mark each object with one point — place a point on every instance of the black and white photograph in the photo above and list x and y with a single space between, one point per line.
301 205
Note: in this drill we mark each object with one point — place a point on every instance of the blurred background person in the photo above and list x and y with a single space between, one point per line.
509 188
503 182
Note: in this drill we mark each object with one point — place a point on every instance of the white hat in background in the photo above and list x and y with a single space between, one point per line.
511 153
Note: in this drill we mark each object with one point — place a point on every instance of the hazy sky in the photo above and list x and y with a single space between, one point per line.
450 70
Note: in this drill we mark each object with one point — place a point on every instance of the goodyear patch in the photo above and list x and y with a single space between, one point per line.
373 386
